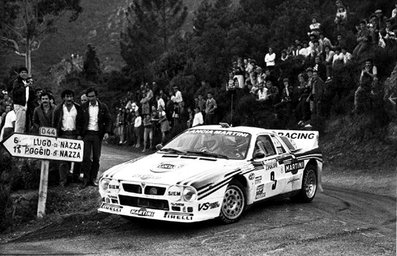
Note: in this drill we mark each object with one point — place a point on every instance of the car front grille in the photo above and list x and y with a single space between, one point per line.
132 188
153 190
149 190
150 203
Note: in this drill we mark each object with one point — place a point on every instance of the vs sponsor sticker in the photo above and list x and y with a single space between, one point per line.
208 206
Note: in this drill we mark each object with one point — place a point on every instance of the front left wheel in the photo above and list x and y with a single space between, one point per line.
234 203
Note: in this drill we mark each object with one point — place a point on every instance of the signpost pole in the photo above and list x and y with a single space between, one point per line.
45 166
43 188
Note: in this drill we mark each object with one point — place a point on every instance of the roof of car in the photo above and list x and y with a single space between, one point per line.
248 129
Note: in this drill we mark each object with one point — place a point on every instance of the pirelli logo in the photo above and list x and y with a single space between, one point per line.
294 166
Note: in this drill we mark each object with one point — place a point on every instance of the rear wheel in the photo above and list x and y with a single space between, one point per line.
234 203
309 185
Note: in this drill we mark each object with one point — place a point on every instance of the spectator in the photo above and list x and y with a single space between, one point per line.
189 121
380 21
198 117
145 102
272 92
9 123
238 72
305 50
302 110
147 133
230 83
390 35
324 42
341 15
22 95
284 56
317 94
260 76
270 59
262 93
251 72
129 126
176 117
97 125
201 103
320 67
314 27
315 50
329 57
337 61
210 107
42 115
362 39
160 102
178 96
137 129
340 42
347 56
68 121
120 124
164 124
83 98
362 96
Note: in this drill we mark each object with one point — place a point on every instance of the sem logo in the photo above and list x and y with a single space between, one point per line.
251 176
206 206
174 193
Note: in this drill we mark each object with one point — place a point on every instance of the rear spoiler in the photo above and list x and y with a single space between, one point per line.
305 140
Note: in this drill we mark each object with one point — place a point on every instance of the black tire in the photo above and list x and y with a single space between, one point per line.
309 185
234 203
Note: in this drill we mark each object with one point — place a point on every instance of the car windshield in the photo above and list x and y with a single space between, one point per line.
210 143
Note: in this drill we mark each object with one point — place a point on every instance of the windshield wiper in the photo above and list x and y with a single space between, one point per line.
206 153
173 150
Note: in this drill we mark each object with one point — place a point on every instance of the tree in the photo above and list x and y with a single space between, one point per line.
91 67
151 26
26 24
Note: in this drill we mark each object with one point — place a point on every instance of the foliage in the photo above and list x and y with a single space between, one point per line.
26 24
151 26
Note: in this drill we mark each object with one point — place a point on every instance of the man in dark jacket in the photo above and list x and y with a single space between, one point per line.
42 115
23 97
68 120
97 126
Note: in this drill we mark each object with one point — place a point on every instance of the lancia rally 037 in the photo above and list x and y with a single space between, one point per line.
214 171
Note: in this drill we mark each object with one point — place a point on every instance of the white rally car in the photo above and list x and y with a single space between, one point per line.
214 171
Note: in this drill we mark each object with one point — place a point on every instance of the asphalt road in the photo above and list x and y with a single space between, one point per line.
338 222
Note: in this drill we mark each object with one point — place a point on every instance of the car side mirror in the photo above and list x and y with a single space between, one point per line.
159 147
258 155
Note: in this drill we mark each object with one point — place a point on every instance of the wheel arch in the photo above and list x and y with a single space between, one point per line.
318 168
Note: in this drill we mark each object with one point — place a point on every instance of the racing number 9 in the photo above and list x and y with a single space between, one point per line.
274 181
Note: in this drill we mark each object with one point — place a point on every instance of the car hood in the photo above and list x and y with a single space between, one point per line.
171 169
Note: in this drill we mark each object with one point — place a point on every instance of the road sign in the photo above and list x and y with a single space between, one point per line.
44 147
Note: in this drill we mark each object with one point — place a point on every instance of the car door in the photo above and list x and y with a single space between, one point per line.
268 171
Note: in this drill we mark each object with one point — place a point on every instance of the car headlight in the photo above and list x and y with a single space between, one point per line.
189 194
104 184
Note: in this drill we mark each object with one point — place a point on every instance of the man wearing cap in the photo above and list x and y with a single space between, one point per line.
23 97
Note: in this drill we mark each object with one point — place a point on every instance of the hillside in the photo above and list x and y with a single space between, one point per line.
99 25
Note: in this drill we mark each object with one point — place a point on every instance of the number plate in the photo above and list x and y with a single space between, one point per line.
48 131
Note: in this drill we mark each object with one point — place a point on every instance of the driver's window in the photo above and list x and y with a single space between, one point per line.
264 145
